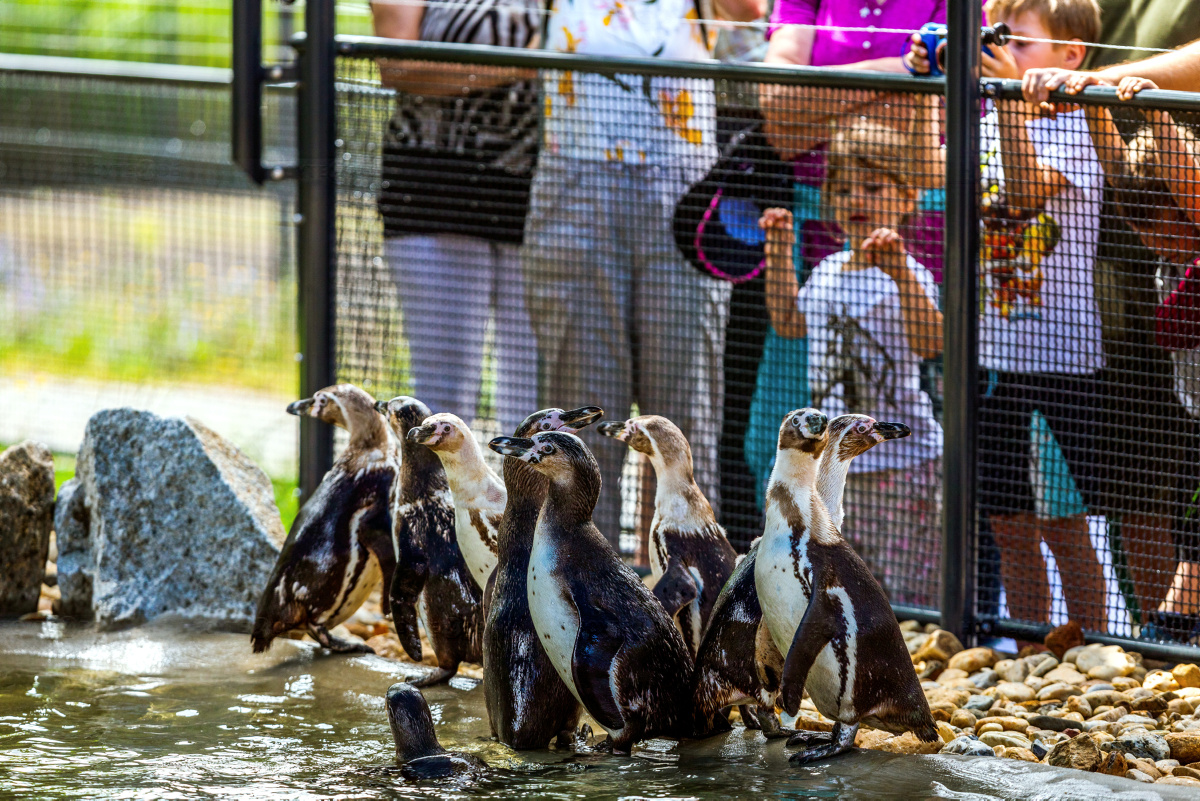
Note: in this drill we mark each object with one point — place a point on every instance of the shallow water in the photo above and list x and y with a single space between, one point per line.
160 712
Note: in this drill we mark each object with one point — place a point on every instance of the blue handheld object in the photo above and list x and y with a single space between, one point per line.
933 36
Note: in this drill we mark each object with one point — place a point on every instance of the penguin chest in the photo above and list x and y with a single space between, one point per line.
555 618
831 680
476 534
783 577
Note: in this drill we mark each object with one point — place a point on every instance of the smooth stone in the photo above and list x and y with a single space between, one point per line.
1185 746
1148 767
1160 681
1021 754
962 719
1079 704
972 659
1114 764
1190 773
1142 745
980 702
1013 691
967 746
944 695
988 725
1178 781
1167 765
1052 723
1104 661
1036 683
1067 674
950 675
1006 738
1058 691
985 678
1040 749
1152 705
1048 664
1098 698
1181 706
941 645
1138 776
1136 720
1186 676
908 626
908 743
26 519
1123 683
1079 752
1016 671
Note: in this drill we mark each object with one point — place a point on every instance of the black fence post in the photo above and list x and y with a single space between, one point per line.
246 116
316 237
961 318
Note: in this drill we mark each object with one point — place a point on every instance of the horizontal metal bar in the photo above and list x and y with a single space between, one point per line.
373 47
1158 99
917 613
124 70
1036 632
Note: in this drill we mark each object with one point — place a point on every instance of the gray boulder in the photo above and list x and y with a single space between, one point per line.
172 520
72 533
26 517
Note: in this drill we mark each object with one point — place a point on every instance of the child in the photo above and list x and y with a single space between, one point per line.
871 315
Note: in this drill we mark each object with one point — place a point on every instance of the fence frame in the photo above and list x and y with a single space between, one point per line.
963 94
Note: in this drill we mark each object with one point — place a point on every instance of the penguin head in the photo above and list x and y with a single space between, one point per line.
342 405
851 435
440 432
804 430
652 435
558 420
556 454
403 413
412 724
279 612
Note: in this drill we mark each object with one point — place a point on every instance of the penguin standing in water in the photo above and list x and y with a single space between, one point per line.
527 702
340 544
737 661
432 581
479 497
608 637
418 752
690 557
824 609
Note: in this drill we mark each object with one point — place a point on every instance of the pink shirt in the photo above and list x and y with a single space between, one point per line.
834 48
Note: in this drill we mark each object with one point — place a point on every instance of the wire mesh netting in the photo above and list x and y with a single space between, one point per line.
137 265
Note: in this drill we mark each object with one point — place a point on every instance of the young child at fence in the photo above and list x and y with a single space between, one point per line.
1040 335
1155 177
870 314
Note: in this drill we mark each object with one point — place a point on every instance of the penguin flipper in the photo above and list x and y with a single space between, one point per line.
596 647
408 580
822 622
676 588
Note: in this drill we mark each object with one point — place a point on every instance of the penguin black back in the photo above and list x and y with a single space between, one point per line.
431 581
527 702
418 752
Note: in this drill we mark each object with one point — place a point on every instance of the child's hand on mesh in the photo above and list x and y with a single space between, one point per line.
778 225
1130 86
885 249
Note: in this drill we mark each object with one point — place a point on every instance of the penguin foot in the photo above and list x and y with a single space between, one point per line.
439 676
841 740
808 739
338 645
768 721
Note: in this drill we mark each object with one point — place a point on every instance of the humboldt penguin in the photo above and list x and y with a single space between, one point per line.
737 661
432 582
606 634
527 703
479 496
418 752
826 612
340 544
690 558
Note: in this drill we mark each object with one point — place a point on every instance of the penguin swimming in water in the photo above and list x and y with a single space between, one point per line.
432 581
824 609
479 496
418 752
340 543
608 637
738 662
527 702
690 557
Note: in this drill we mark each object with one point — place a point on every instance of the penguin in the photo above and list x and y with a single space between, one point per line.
418 752
340 544
690 557
826 612
527 702
431 581
728 669
479 496
607 636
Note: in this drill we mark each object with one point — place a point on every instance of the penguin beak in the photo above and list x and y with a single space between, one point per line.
581 417
300 407
511 446
614 429
892 430
815 423
421 434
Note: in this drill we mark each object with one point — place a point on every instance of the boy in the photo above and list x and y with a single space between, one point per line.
1040 335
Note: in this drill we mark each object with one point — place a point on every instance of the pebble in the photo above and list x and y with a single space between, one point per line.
973 659
941 645
1014 691
1051 723
1010 739
1160 681
1047 665
980 702
1058 691
967 746
1185 746
1178 780
1080 705
1187 676
1079 752
985 678
1138 776
1142 745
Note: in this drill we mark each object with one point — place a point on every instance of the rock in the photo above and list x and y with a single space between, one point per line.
1052 723
75 570
1186 675
1105 698
908 626
908 743
973 659
1079 752
967 746
1013 691
1138 776
1152 705
1114 764
1039 749
1160 681
962 719
1080 705
986 726
1146 766
1180 781
1010 739
1015 671
1022 754
1184 746
981 703
1181 706
1104 661
1046 664
1141 745
1065 674
941 645
950 696
1058 691
26 518
1065 637
985 678
1123 683
1137 720
177 521
951 675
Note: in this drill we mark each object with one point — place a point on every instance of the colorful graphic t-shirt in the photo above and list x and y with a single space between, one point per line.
1038 294
860 360
632 119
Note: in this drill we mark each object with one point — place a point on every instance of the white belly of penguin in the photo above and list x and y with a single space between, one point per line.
554 617
780 593
356 595
480 559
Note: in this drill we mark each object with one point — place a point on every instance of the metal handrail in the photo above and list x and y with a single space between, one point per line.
122 70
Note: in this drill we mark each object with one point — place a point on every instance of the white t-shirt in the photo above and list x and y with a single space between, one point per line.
631 119
1038 290
860 360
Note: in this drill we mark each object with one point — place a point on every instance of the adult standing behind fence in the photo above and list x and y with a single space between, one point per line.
455 190
620 316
